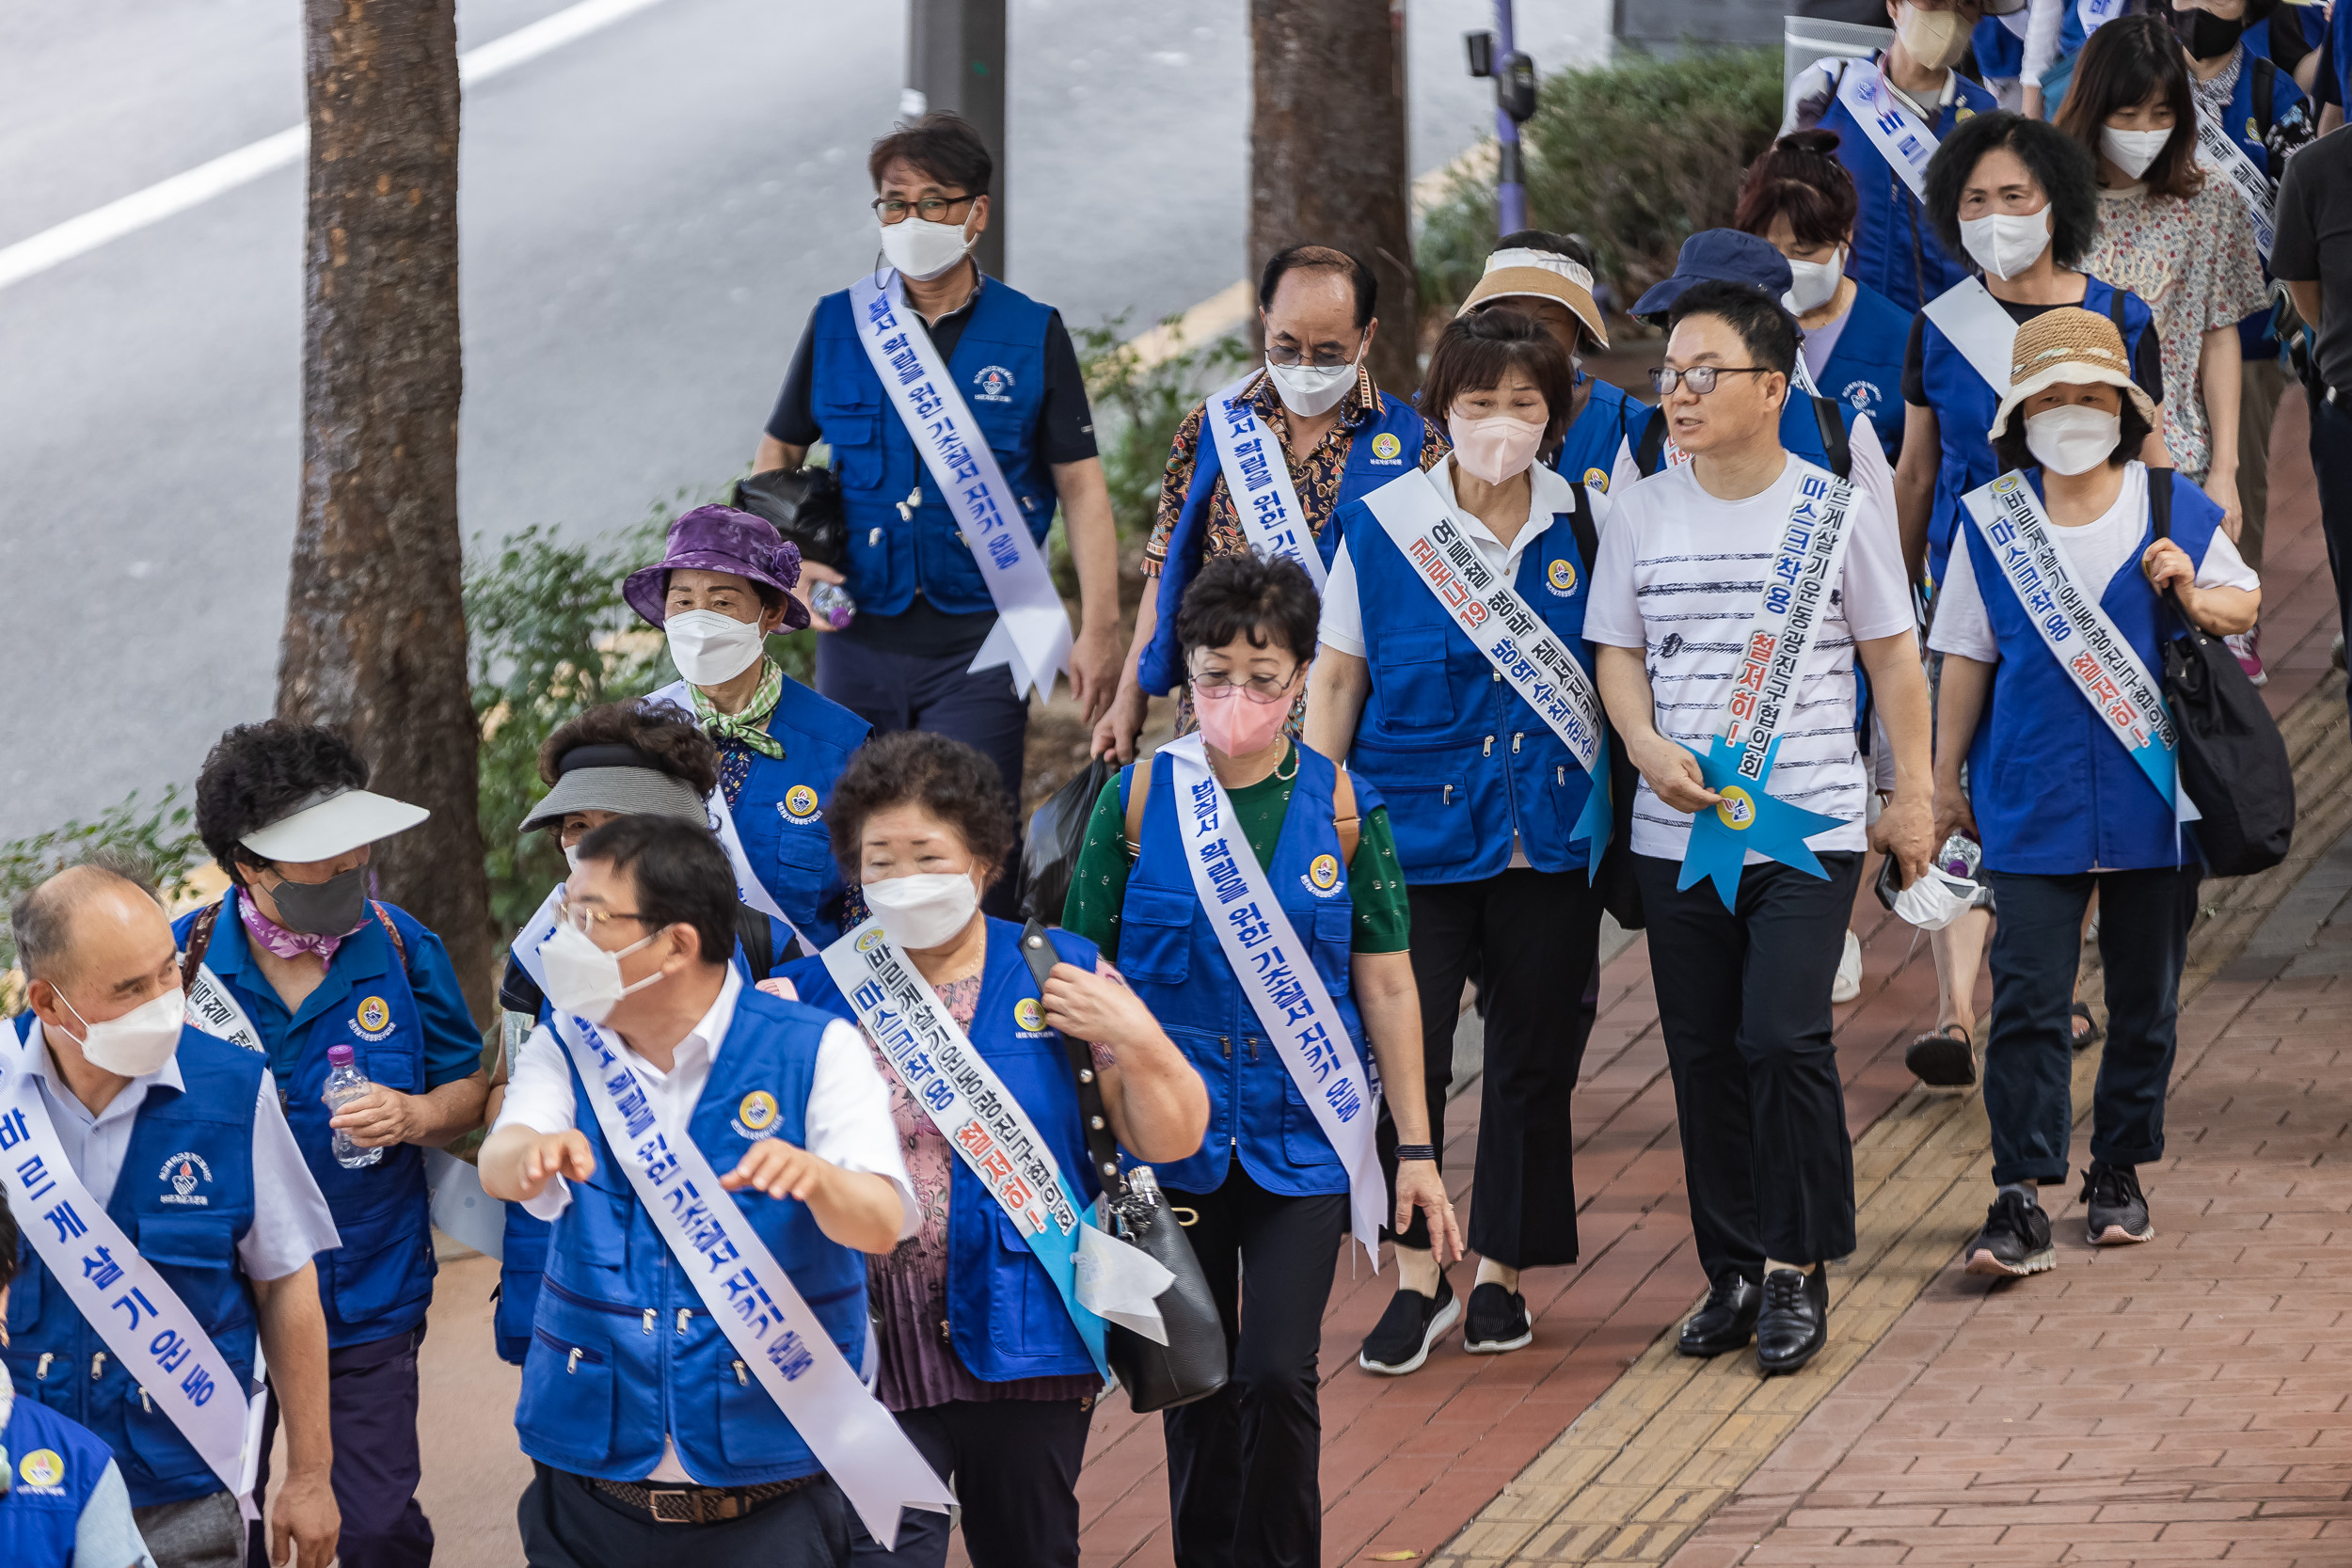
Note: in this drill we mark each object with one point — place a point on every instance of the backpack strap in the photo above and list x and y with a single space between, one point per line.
1344 821
1138 796
2267 81
2160 501
1653 444
199 938
1581 524
384 919
758 939
1833 443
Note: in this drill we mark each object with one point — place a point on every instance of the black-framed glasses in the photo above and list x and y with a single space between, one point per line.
1322 360
1263 690
1699 378
931 208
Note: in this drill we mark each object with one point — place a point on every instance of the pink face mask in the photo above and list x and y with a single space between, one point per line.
1235 724
1493 449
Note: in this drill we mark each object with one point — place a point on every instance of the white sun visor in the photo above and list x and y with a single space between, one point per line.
332 825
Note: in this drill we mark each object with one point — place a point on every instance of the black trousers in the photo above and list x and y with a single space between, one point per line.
1243 1488
372 1416
1014 1464
2144 918
567 1523
2332 461
1744 1002
1534 937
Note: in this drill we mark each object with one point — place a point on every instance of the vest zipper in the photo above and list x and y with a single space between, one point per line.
683 1314
578 1300
98 1365
1447 798
145 1403
739 1377
41 1369
1227 1042
649 1317
1488 750
1560 774
1514 741
573 1355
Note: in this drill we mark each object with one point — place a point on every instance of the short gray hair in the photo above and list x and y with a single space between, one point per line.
41 921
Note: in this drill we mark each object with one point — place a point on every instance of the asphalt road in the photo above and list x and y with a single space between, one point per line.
648 212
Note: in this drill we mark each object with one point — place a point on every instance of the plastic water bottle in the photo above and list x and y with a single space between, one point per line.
345 1083
832 602
1960 856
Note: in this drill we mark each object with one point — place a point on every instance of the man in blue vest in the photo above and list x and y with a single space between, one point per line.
652 1436
1889 112
173 1191
923 605
1338 436
293 962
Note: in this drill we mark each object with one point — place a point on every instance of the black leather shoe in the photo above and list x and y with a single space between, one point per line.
1725 1322
1794 1324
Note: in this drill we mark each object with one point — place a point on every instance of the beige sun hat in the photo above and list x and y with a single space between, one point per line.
1539 275
2069 346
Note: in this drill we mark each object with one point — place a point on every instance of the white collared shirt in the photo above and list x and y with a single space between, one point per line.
291 1222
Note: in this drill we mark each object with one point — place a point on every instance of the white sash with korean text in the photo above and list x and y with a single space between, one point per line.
1985 334
1276 972
2096 14
2221 152
1257 480
750 1296
2081 636
748 887
1418 519
1788 615
144 1324
1901 139
1032 631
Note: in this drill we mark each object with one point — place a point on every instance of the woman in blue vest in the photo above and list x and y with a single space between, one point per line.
1001 1398
1548 277
1493 837
723 587
311 962
2059 802
1919 99
1799 199
1271 1196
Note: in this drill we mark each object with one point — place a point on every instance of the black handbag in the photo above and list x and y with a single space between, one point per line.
2233 762
804 504
1193 1364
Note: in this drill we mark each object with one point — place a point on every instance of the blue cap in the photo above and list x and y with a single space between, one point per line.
1719 255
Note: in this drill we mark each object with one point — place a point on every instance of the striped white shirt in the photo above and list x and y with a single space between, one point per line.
1681 575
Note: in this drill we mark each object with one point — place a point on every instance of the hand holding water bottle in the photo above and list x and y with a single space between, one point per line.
368 1116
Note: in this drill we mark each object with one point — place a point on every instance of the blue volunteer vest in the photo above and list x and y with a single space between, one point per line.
1162 666
2074 32
199 1138
1000 367
1965 405
1865 370
1612 417
1460 758
54 1465
779 812
623 1349
2000 53
2054 792
1169 953
1005 1318
379 1282
1894 247
2256 339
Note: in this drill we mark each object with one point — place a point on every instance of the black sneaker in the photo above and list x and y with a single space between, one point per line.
2015 1238
1497 1321
2118 1212
1400 1341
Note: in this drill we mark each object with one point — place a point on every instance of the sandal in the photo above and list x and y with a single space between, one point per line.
1944 1059
2089 1036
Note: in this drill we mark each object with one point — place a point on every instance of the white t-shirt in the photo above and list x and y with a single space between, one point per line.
2094 551
1681 575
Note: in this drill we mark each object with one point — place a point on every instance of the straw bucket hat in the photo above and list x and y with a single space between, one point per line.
2069 346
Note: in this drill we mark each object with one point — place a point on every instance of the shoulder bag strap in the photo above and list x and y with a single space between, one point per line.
199 938
1037 951
1833 443
1344 821
1653 444
758 939
1138 796
384 919
2160 501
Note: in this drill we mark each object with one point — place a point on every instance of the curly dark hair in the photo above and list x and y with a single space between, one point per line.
257 773
663 734
1271 601
946 778
1474 352
2062 167
2121 67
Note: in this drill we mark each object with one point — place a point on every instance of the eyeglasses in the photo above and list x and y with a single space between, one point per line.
931 208
1322 360
1257 688
585 918
1699 378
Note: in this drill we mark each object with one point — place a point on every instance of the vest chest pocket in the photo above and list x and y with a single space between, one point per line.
567 1395
1334 928
385 1262
1431 819
1409 665
1155 936
855 436
1029 1311
804 852
157 1446
195 1255
751 1430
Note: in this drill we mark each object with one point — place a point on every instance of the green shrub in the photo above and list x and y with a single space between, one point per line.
160 842
1137 407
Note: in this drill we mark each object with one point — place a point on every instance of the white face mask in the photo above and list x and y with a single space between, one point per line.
1308 390
583 979
1814 284
710 649
1934 39
141 1040
571 856
2073 439
2132 151
2006 243
923 250
1935 900
924 910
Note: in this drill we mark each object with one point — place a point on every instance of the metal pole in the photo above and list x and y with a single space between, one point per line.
1510 192
956 61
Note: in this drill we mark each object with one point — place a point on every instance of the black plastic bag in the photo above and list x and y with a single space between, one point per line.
1057 831
804 504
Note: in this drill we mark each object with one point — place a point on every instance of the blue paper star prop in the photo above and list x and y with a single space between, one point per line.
1593 826
1746 819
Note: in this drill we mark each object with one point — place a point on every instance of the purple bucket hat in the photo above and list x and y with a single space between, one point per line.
721 539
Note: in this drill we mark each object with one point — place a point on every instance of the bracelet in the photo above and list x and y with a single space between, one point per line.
1416 1151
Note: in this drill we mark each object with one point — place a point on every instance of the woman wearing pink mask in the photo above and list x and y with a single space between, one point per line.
1247 891
1456 679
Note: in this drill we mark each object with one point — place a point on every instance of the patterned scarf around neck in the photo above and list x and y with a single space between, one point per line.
747 728
285 943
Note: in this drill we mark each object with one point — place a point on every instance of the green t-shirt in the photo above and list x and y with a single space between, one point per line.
1098 887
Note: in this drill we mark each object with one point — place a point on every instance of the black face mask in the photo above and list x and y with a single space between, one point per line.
2205 35
330 908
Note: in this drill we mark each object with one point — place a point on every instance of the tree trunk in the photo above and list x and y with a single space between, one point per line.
375 625
1327 152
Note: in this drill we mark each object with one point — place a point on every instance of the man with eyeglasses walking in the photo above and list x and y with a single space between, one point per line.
958 421
1264 463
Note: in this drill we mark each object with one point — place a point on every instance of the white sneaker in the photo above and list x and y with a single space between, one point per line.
1849 982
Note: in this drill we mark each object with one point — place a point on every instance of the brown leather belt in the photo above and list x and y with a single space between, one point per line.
697 1505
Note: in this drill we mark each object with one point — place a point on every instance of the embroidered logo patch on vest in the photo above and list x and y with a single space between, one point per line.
992 384
1737 808
1386 446
1862 394
372 1020
1028 1015
800 803
184 1173
756 1114
43 1469
1560 577
1323 875
1597 480
2253 133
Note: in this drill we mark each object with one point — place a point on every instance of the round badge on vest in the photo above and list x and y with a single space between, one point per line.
992 384
800 803
1560 577
1386 446
1596 479
373 1019
1323 875
186 1173
42 1470
755 1113
1028 1015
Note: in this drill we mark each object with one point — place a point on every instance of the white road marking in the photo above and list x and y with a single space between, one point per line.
78 236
